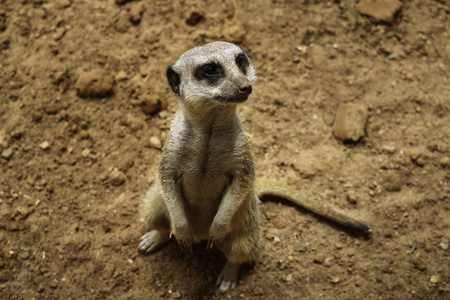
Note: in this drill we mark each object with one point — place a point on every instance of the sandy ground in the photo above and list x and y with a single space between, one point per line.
73 169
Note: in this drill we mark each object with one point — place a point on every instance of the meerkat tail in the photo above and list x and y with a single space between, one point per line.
267 187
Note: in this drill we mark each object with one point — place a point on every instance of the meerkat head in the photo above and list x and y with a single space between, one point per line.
218 72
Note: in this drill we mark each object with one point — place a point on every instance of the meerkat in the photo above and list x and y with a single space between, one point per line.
206 187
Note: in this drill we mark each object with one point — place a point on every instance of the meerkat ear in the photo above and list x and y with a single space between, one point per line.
174 80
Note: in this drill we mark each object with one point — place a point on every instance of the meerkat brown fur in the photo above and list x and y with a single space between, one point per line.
206 188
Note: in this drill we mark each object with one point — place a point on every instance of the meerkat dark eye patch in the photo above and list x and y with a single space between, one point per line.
242 62
210 72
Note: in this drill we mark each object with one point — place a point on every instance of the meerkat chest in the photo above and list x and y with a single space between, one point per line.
208 168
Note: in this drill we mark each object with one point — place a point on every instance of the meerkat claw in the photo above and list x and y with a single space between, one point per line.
185 246
210 244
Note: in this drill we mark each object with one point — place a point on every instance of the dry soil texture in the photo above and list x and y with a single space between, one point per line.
73 169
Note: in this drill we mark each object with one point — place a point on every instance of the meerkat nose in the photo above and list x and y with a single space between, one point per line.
245 89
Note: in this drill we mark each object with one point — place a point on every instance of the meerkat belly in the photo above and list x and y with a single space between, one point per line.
202 194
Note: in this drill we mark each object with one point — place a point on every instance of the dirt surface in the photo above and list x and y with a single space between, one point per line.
73 169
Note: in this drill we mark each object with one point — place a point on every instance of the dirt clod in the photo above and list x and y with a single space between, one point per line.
380 10
419 264
136 11
5 275
152 104
350 121
392 181
94 83
194 18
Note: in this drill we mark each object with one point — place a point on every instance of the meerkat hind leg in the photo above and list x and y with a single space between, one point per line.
152 241
227 279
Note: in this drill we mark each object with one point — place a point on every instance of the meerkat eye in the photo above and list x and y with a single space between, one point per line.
210 71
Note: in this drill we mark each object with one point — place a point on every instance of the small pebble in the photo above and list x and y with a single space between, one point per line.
276 240
335 280
5 139
318 259
86 152
269 214
352 197
25 255
40 288
59 33
445 162
351 252
44 145
435 279
176 295
328 261
414 153
117 177
289 277
134 267
7 153
163 114
121 76
443 243
155 142
281 265
389 149
420 162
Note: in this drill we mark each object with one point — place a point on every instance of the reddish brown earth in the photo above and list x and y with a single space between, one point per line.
73 169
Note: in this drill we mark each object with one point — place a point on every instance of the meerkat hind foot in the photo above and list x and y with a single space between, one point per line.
152 241
228 277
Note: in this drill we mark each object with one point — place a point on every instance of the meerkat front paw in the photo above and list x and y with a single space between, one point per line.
152 241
